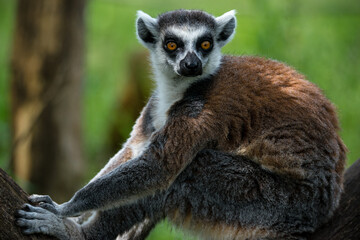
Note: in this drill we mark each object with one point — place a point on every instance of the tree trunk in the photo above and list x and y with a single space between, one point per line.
345 224
12 197
47 71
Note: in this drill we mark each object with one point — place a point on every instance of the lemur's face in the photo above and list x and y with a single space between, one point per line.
186 43
187 49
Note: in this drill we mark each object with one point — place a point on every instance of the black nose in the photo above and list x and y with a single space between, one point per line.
190 66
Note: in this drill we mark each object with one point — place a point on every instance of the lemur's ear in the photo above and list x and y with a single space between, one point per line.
146 29
225 27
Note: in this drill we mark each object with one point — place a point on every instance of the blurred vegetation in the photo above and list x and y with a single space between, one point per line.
319 38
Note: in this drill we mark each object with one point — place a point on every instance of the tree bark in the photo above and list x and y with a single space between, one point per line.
12 197
47 71
345 224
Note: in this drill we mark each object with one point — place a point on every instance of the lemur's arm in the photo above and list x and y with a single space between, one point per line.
170 150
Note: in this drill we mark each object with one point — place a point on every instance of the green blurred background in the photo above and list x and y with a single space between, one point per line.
319 38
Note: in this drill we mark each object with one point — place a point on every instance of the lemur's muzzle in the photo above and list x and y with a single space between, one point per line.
190 66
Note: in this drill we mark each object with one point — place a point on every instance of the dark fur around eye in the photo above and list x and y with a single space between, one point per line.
208 38
179 43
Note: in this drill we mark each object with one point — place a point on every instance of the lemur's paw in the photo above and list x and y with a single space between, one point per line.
45 202
33 219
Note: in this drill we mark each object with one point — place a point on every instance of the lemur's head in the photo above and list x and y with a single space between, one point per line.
185 43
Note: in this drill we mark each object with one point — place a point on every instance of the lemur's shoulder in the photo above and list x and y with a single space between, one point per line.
260 68
268 81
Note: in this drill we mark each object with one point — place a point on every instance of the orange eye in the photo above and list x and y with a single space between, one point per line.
171 46
205 45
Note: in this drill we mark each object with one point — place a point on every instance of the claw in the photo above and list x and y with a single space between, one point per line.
17 213
26 207
20 213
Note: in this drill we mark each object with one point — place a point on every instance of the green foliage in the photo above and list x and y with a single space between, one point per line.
165 231
319 38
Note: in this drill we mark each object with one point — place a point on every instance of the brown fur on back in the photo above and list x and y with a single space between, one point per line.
276 117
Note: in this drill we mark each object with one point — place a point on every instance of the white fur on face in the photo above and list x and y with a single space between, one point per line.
189 35
171 67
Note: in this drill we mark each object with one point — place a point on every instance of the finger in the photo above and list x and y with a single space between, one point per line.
37 229
27 223
29 208
21 222
40 198
31 215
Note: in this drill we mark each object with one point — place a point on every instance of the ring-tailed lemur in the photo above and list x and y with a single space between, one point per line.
227 147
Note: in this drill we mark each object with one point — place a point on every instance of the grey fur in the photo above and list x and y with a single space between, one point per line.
186 17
